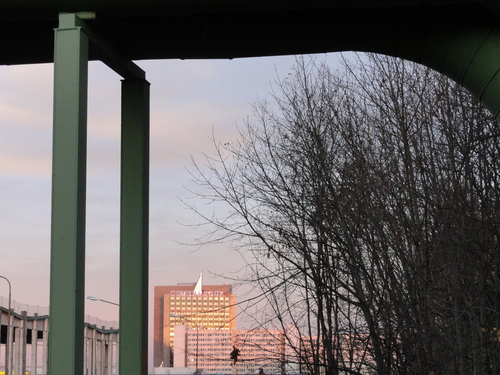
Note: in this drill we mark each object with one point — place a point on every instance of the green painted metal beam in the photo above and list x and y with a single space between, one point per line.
103 50
67 273
134 223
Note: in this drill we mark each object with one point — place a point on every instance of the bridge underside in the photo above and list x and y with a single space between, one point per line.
460 39
399 30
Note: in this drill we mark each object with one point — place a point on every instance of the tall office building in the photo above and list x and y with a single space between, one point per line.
198 306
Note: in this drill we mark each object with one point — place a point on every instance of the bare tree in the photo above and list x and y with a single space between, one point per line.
366 200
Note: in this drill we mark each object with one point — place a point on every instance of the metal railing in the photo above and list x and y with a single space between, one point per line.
31 310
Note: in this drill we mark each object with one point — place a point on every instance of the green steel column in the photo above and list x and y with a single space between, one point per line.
67 268
134 224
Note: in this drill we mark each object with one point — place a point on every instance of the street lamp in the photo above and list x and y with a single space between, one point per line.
197 336
8 341
95 299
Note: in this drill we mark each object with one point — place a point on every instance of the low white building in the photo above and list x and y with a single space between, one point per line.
209 350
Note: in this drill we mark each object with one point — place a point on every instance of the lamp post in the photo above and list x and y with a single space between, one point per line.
9 328
197 336
95 299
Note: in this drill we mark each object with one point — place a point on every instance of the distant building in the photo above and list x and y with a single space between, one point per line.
209 350
204 307
260 348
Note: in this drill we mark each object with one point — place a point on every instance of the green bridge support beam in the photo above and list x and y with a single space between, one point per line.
67 273
73 38
134 201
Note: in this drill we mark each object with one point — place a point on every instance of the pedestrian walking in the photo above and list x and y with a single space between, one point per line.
234 356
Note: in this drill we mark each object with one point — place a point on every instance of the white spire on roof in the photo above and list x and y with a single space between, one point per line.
198 289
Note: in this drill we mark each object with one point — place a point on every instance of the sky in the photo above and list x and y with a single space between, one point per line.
190 100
